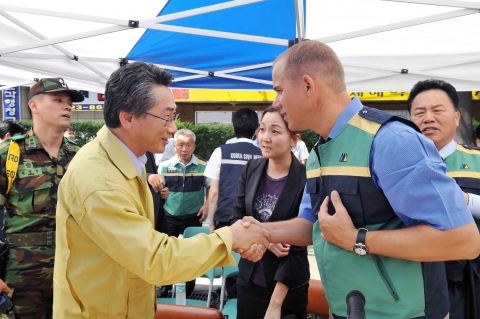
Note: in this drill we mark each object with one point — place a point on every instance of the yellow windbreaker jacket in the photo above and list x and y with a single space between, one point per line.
108 256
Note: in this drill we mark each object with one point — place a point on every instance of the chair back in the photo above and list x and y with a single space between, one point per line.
317 302
192 231
187 312
230 271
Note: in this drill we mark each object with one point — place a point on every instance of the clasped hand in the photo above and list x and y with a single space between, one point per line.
337 229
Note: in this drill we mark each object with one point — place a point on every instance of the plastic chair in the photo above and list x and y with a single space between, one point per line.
212 273
186 312
229 271
317 302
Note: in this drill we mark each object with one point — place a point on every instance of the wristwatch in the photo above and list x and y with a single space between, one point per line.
360 248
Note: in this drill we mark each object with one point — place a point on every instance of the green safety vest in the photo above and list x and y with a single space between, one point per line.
463 165
393 288
186 189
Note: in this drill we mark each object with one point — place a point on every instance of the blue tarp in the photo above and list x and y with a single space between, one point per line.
271 18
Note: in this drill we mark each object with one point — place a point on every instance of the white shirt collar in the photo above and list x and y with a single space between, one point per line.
448 149
138 162
193 160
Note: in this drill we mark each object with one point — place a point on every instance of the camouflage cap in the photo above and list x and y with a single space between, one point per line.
54 85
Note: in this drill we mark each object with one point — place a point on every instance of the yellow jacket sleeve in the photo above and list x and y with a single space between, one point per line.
112 221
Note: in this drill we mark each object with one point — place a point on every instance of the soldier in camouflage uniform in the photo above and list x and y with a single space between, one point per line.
31 203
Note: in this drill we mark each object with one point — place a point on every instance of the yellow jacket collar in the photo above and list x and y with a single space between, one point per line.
116 152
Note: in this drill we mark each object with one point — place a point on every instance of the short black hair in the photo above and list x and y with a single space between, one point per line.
11 127
129 89
245 123
433 84
477 132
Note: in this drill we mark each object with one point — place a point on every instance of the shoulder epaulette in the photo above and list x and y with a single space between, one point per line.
204 160
4 145
168 161
471 147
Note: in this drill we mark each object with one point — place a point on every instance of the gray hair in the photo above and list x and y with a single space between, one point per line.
129 89
185 132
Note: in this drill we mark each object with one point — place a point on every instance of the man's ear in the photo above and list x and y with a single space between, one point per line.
308 84
33 104
126 120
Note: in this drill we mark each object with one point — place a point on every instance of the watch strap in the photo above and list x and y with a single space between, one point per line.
362 235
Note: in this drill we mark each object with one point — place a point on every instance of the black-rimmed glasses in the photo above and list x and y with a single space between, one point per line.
166 119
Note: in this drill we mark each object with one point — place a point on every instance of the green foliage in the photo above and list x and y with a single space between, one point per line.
475 124
209 136
310 138
84 131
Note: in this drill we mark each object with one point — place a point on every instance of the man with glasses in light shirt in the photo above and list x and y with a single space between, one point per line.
109 256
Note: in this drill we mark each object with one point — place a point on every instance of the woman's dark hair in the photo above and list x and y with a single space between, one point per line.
11 127
271 109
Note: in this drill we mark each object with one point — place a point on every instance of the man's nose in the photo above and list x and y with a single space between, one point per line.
429 117
171 127
276 104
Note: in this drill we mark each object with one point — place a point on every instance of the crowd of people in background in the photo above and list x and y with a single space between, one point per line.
391 206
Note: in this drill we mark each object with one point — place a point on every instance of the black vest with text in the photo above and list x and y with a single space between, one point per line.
234 157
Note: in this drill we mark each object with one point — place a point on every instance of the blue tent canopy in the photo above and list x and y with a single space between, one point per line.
205 61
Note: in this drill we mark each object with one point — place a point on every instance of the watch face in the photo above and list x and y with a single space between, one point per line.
361 250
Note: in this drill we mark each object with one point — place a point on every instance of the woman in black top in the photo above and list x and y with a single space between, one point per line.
270 189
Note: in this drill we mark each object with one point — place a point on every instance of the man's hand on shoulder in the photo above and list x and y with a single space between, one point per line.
337 229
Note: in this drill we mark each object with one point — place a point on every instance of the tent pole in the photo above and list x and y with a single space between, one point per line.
216 34
202 10
22 55
299 19
64 15
49 73
444 3
398 25
56 46
72 37
397 72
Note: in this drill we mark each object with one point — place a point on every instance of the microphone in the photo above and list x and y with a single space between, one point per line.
355 305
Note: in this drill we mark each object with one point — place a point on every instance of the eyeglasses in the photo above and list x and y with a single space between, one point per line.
166 119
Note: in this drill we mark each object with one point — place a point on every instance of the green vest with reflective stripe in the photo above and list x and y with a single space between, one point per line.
393 288
463 165
186 190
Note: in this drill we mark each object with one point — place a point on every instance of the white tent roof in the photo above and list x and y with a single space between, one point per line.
384 45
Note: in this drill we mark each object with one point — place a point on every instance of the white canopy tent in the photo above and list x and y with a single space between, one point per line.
384 45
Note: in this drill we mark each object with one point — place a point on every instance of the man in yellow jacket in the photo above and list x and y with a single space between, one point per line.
108 255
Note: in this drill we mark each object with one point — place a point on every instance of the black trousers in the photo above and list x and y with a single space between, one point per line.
175 227
253 301
463 277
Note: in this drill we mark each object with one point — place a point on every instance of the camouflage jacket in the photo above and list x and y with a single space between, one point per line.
31 203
